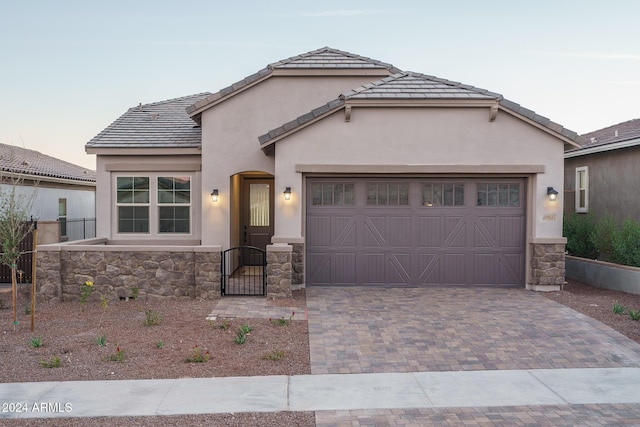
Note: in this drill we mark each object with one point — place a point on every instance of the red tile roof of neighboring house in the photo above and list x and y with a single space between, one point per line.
30 162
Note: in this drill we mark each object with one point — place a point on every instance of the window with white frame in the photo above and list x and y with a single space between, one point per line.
153 204
582 189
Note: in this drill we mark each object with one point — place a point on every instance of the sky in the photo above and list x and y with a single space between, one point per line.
70 68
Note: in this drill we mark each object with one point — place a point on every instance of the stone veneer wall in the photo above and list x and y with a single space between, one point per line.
547 265
187 272
279 271
297 263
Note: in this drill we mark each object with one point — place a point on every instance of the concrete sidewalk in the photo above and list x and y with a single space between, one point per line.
320 392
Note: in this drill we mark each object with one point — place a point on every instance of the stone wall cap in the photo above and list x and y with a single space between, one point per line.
279 247
548 240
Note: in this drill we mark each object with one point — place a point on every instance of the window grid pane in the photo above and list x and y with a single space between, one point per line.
388 194
500 195
326 194
442 194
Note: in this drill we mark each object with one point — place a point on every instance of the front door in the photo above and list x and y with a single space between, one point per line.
257 214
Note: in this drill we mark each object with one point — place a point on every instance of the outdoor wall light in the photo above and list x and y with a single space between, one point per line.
214 195
287 193
552 194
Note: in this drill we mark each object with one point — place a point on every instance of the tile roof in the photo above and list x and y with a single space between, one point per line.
416 86
324 58
163 124
24 161
617 133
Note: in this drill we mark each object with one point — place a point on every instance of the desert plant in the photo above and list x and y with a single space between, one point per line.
103 304
160 344
151 317
602 236
224 324
617 308
274 355
634 314
197 356
282 320
54 362
135 292
118 356
35 342
101 340
578 229
85 291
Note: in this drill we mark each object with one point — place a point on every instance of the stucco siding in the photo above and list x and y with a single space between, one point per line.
230 133
80 203
424 136
613 183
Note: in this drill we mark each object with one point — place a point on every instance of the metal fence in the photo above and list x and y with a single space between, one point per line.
77 229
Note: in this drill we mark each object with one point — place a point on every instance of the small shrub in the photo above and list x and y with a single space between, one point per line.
101 340
197 356
152 317
633 314
282 321
246 329
224 324
160 344
240 338
54 362
274 355
602 236
135 292
617 308
578 229
85 290
35 342
118 356
27 309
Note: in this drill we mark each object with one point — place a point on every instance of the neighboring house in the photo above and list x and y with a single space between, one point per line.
368 174
59 192
601 177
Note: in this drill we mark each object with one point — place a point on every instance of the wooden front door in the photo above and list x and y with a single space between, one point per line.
257 213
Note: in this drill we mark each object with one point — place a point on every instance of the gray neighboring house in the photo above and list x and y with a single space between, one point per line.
603 176
63 193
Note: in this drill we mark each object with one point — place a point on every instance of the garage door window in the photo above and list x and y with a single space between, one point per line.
387 194
442 194
501 195
332 194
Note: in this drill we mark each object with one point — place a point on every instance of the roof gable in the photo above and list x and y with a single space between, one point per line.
325 59
621 135
30 162
419 90
163 124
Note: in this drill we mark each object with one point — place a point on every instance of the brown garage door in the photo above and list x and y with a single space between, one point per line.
415 232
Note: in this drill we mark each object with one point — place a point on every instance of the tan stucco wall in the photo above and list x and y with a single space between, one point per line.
109 166
230 134
423 136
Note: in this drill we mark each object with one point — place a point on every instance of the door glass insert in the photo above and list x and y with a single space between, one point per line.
259 205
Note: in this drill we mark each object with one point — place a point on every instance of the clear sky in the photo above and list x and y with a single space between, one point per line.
70 68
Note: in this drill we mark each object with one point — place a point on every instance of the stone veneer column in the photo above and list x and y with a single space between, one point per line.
208 272
48 279
547 265
279 271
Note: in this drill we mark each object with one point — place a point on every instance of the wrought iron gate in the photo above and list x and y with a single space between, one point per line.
244 271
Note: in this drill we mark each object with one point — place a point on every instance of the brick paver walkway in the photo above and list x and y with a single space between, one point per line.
363 330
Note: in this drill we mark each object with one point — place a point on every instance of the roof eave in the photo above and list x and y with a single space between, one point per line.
116 150
545 125
583 151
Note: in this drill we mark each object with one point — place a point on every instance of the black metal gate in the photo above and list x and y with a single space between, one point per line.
244 271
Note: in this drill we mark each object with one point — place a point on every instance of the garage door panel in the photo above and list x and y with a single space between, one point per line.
511 235
319 231
453 269
344 231
430 231
455 232
344 272
319 268
442 241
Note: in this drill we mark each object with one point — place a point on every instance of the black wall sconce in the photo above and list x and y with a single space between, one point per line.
287 193
214 195
552 194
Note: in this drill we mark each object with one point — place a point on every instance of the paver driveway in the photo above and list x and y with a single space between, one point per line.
362 330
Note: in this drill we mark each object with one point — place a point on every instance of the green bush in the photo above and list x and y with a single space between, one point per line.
579 230
626 244
603 235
